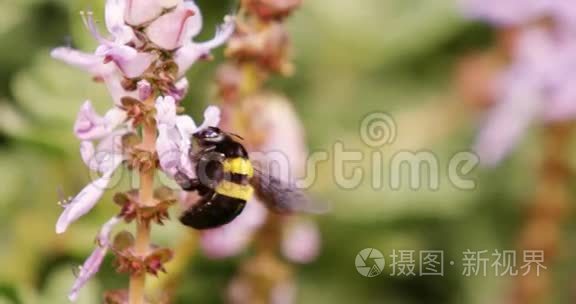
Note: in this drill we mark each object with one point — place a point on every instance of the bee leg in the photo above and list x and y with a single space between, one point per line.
186 183
196 156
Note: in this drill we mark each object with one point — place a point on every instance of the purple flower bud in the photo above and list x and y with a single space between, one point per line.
301 242
144 89
89 125
92 264
180 89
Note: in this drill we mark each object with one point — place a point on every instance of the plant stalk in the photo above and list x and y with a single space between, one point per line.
546 215
146 199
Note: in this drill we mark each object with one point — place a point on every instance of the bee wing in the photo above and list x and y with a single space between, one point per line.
281 196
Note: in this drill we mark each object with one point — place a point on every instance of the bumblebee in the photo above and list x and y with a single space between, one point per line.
226 179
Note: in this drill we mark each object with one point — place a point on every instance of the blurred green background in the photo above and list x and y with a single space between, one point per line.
353 58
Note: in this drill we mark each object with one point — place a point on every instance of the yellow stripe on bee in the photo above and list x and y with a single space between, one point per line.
243 192
239 165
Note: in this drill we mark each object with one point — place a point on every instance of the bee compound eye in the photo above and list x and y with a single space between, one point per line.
213 134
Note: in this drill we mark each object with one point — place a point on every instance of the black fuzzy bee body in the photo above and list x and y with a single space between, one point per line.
226 180
223 171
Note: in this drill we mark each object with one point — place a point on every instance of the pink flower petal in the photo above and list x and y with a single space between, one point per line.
223 33
114 12
211 118
520 103
174 132
169 152
180 89
166 110
301 242
142 11
284 134
186 166
88 62
114 118
562 106
187 56
113 83
224 242
89 125
505 12
94 261
108 155
131 62
193 25
83 202
169 30
232 238
191 52
87 271
185 125
564 13
104 234
87 152
283 293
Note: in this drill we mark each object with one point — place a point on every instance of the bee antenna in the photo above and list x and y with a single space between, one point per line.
235 135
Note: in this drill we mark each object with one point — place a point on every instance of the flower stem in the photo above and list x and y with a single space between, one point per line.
146 199
551 204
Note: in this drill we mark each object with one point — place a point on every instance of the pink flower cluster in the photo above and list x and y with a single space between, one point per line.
144 58
538 83
520 12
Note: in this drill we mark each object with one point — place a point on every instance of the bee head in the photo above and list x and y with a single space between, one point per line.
209 135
